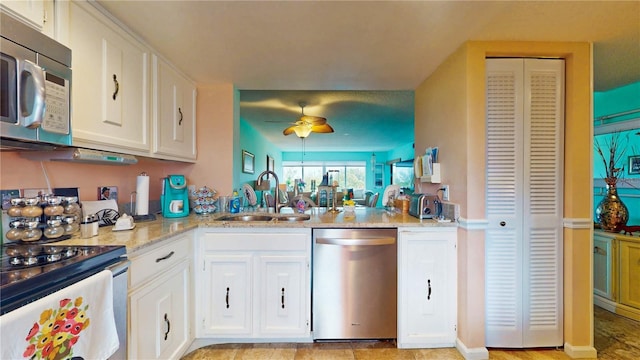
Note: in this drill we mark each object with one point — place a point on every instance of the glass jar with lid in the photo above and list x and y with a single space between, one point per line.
32 208
54 229
54 207
32 231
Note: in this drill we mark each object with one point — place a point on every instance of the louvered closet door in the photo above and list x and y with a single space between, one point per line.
525 118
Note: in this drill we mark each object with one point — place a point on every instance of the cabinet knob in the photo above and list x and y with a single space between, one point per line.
502 223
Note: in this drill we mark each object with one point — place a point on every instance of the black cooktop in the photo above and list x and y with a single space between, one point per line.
30 271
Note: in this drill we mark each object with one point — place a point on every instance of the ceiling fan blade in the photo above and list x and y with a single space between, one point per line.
324 128
313 120
290 130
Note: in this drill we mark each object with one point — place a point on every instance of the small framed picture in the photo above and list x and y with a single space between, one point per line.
271 164
108 193
634 165
248 162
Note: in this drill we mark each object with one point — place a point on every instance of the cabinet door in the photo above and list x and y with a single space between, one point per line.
603 274
227 299
110 84
159 316
427 289
174 113
285 292
630 273
29 11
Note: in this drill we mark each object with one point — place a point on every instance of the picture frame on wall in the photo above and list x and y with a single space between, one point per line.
271 165
108 193
634 165
248 162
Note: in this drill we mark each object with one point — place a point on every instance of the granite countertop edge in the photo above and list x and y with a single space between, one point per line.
147 234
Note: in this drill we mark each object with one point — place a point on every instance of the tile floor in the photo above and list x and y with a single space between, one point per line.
616 338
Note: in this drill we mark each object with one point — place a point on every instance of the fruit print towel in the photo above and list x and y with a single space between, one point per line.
75 322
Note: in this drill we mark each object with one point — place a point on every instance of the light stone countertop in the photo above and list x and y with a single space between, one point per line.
151 232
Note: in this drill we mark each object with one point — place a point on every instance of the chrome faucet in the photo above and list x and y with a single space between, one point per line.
276 202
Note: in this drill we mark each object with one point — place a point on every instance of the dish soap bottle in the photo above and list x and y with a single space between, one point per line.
234 204
301 206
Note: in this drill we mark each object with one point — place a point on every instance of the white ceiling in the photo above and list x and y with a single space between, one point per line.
380 47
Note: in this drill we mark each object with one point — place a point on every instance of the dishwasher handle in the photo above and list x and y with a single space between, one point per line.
357 242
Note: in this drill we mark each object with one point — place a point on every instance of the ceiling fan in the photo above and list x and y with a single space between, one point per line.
307 124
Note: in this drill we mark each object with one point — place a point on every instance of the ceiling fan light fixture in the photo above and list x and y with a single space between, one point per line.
302 131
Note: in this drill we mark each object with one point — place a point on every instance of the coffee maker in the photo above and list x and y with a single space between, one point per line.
174 199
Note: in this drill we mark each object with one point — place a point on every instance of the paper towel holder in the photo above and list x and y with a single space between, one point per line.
137 217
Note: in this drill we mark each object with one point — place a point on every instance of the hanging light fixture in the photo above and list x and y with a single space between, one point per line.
302 130
307 124
373 162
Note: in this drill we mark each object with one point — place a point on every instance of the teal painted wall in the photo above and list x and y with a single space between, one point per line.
610 102
253 142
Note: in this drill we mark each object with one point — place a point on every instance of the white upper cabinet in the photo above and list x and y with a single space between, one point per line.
31 12
174 109
110 84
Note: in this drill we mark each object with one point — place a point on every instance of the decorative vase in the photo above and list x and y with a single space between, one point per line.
611 212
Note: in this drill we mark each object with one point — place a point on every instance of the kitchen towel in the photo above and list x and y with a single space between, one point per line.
142 194
77 321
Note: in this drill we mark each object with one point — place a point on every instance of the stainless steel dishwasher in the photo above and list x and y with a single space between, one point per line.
354 284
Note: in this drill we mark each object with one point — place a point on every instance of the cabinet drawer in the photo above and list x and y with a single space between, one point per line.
151 263
256 241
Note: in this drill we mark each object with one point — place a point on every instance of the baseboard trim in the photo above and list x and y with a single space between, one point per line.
481 353
580 352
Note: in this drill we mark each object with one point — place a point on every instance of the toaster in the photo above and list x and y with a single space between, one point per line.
424 206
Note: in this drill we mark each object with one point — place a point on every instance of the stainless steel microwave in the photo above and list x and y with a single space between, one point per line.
35 88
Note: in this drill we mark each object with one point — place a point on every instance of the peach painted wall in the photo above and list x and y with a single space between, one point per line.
214 167
450 110
20 173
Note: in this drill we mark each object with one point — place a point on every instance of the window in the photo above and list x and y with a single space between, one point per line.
350 175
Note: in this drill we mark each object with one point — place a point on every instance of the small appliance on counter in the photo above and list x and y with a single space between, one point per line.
425 206
174 199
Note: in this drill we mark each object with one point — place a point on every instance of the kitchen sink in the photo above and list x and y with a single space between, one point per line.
244 217
293 217
259 217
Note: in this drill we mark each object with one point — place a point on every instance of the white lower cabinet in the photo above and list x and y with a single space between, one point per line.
160 300
427 287
254 284
604 260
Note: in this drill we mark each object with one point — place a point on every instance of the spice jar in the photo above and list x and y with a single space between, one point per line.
15 231
32 232
54 229
53 207
32 208
71 206
70 224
